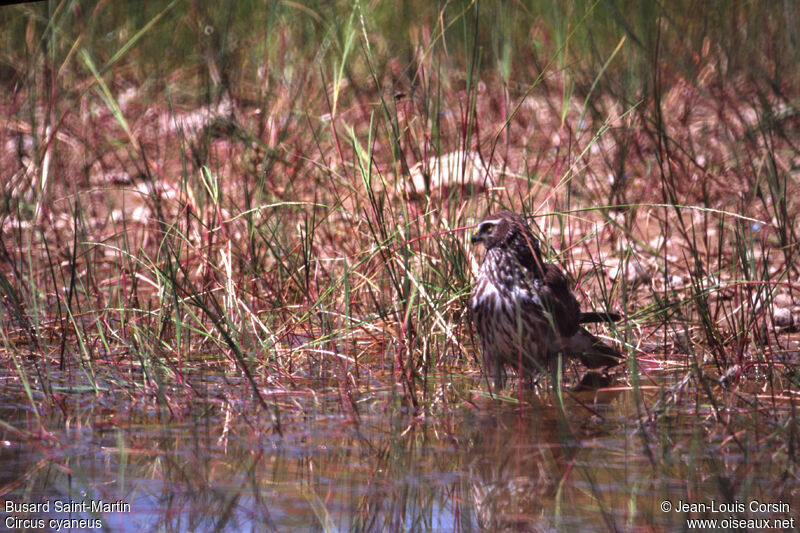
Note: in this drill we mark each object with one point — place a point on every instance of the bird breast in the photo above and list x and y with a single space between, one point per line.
501 283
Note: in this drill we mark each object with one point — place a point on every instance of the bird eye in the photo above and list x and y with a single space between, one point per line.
487 228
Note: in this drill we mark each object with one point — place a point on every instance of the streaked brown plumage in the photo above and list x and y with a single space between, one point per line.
522 307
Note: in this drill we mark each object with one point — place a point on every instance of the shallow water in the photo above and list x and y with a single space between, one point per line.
602 461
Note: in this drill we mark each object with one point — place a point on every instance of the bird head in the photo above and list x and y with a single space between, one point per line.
504 229
510 231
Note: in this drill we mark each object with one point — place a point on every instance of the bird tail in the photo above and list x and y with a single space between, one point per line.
592 352
598 316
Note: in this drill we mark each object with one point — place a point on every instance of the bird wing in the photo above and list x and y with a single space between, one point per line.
558 301
592 352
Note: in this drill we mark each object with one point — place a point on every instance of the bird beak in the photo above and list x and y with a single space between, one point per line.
475 238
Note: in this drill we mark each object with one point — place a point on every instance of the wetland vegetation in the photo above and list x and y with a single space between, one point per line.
235 263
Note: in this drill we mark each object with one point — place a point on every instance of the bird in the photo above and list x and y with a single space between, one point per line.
523 309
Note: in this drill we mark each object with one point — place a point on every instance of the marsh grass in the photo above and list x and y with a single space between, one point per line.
283 195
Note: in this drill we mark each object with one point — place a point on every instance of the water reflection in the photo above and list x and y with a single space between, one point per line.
597 462
520 458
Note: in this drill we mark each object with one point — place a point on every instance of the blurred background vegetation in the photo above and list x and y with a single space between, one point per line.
270 175
235 259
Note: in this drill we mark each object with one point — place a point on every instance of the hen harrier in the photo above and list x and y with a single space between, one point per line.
523 309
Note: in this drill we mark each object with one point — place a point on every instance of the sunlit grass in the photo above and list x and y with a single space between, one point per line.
282 195
301 215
